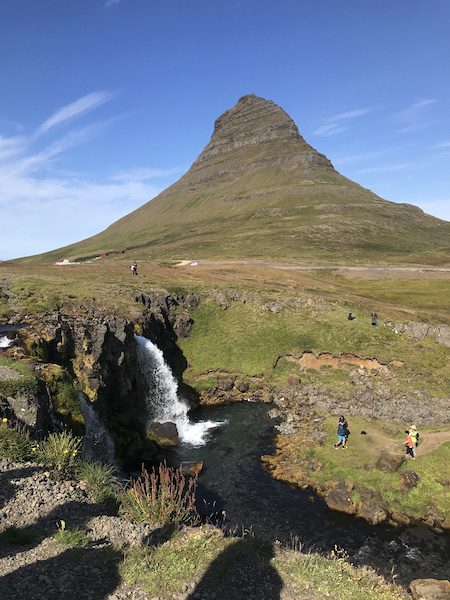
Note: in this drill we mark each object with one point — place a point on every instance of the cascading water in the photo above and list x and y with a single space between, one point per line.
162 400
5 342
97 442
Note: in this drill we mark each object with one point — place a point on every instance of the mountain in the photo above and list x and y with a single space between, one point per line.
260 190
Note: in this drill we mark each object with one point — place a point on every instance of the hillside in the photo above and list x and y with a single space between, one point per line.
259 189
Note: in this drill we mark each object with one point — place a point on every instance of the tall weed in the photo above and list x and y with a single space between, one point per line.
163 496
59 451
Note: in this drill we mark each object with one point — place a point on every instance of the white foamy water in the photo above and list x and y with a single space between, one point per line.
97 442
5 342
162 400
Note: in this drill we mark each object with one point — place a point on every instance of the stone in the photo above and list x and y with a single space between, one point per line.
183 326
430 589
408 480
226 385
339 497
243 387
164 434
371 506
389 461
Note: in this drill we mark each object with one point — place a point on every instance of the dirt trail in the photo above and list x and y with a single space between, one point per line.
427 441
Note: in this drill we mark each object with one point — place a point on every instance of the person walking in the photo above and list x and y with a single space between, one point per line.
409 445
342 433
415 438
374 319
134 268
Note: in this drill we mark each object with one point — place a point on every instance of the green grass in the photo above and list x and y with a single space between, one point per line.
101 479
15 443
165 569
59 451
358 465
332 577
247 339
71 538
26 383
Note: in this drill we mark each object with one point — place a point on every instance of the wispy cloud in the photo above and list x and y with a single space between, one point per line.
75 109
387 168
412 118
42 208
110 3
338 123
441 146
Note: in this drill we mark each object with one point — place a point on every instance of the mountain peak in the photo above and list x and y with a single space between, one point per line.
265 130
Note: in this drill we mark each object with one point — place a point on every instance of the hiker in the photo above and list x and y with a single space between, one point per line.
134 268
415 438
374 318
409 445
342 432
351 316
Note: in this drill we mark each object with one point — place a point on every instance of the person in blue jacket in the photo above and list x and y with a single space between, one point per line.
342 433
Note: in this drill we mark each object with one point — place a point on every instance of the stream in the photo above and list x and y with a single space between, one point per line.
232 480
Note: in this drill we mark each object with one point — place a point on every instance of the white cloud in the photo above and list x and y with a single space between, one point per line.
412 118
441 146
335 124
42 209
110 3
387 168
75 109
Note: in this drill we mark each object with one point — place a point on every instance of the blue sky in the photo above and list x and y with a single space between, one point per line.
106 102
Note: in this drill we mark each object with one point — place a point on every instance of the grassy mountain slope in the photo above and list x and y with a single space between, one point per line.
259 190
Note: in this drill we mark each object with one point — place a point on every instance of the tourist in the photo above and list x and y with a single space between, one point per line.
351 316
409 445
415 438
374 318
134 268
342 433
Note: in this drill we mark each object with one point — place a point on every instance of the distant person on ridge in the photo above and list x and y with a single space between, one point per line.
374 319
134 268
351 316
342 432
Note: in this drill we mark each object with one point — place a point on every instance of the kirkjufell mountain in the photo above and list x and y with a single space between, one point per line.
259 190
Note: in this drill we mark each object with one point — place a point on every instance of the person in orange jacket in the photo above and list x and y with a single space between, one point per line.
409 445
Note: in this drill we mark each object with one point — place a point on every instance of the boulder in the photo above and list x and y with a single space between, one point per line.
390 462
371 506
164 434
243 387
430 589
408 480
226 385
339 497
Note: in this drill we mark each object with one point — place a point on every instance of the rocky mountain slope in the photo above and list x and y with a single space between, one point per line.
259 189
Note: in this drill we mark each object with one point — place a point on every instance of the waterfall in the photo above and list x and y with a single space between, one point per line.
162 400
5 342
97 442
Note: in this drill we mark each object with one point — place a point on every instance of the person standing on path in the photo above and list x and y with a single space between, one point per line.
415 438
342 433
134 268
374 319
409 445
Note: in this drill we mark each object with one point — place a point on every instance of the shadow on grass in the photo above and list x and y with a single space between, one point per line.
242 570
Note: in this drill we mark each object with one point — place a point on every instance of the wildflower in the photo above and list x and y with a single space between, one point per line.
75 452
33 449
66 452
4 420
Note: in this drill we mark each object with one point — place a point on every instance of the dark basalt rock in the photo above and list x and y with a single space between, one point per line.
390 462
164 434
408 480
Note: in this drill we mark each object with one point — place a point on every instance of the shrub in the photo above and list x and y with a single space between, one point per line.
71 537
102 482
160 498
60 451
15 442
